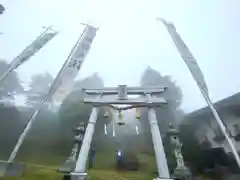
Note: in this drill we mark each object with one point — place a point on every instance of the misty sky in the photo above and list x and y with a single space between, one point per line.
130 39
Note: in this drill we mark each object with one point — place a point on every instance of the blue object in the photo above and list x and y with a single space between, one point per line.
91 158
119 153
119 158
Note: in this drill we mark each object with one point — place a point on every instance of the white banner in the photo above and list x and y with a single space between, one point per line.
73 66
186 56
32 49
58 80
198 76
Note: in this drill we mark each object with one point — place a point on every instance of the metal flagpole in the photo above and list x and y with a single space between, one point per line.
6 167
2 77
12 67
24 133
222 126
27 128
48 96
198 77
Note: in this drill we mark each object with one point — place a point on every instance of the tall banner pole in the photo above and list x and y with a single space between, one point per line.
55 85
198 77
29 51
33 117
24 133
222 126
5 74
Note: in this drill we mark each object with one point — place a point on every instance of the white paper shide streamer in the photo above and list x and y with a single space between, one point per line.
114 133
137 129
105 129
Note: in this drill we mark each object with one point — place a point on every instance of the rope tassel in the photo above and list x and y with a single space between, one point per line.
120 118
137 130
105 129
113 130
138 116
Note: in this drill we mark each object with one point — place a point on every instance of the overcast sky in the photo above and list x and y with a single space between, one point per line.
130 38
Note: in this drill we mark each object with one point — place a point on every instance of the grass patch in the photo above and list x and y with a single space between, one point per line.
33 172
104 168
110 175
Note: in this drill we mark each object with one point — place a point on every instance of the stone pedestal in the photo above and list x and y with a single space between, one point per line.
11 169
78 176
183 173
68 166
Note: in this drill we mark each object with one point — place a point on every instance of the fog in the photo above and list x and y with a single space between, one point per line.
129 39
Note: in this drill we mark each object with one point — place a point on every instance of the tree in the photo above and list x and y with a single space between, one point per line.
11 85
72 108
166 114
2 9
39 86
73 111
192 150
46 130
173 93
11 124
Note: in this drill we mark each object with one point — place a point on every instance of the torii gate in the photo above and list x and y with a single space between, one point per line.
122 91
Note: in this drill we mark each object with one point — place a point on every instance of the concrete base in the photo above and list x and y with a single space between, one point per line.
163 179
78 176
66 177
67 167
11 169
183 173
234 177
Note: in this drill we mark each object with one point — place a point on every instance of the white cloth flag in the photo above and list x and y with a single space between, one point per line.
73 66
198 76
28 52
187 56
32 49
61 77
